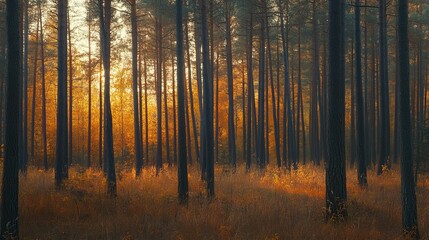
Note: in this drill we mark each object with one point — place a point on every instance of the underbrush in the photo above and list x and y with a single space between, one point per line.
276 204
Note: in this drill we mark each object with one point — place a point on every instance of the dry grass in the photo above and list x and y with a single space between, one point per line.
277 205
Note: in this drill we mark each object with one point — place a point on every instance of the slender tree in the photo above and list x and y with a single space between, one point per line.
261 93
138 146
42 53
158 41
89 88
250 89
314 115
33 101
207 102
384 92
231 127
361 151
70 93
62 132
182 174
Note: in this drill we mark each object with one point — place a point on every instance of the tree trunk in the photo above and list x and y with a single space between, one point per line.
273 97
182 169
174 107
250 89
42 53
105 19
24 92
231 127
289 149
70 109
89 91
261 93
409 208
191 99
208 103
314 114
384 93
360 125
138 154
167 135
158 30
336 193
62 132
10 185
33 102
352 152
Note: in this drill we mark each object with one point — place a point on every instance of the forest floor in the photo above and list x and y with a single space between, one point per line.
276 205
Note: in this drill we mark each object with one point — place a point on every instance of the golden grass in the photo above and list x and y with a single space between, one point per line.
276 205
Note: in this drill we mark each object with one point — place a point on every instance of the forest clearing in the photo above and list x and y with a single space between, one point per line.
277 205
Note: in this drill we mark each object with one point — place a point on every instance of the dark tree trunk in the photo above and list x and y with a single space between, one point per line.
42 53
409 208
288 129
183 174
174 106
298 107
217 109
100 129
24 133
384 93
167 135
138 146
33 101
105 19
146 109
191 99
261 93
250 89
62 132
10 183
70 107
89 91
352 152
231 127
158 40
360 125
208 105
336 193
314 117
273 97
